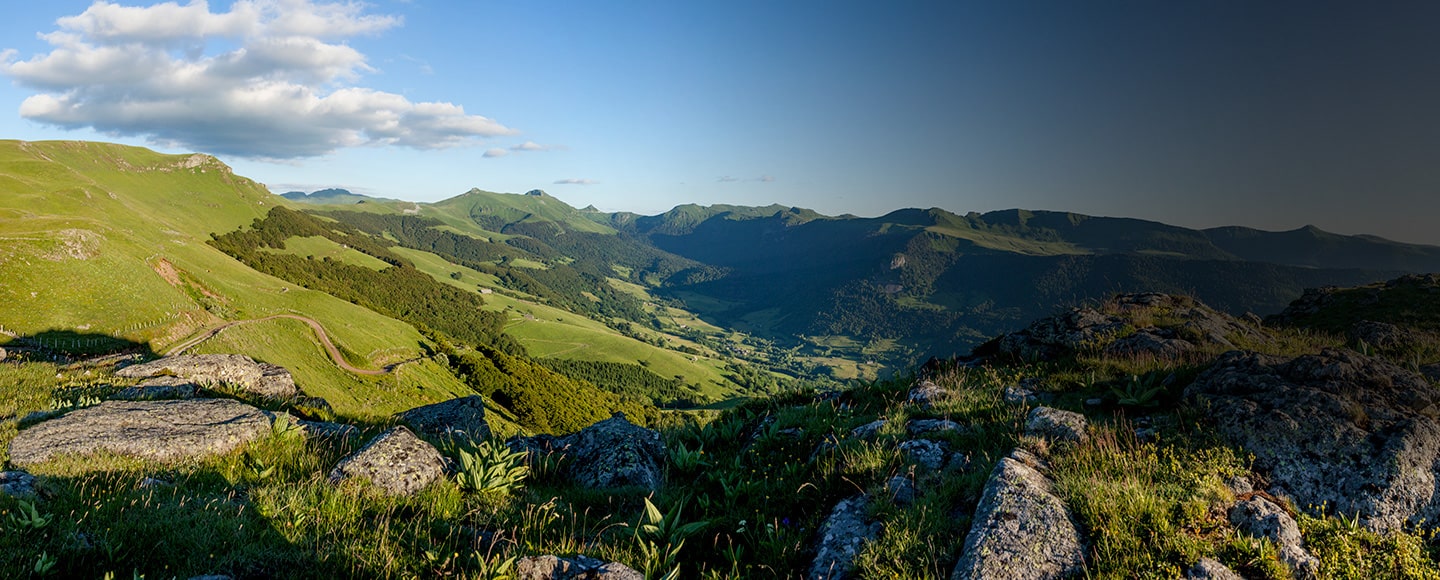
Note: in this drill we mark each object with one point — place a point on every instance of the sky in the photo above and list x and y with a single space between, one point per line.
1266 114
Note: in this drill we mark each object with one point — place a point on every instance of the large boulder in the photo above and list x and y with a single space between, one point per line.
159 388
464 416
1354 433
616 453
233 369
1021 530
1154 324
840 538
157 430
396 462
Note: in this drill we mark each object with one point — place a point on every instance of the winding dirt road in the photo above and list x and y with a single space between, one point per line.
315 326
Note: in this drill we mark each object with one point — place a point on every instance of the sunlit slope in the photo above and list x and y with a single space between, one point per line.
110 240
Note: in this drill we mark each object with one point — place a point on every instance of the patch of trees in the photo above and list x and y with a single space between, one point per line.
625 379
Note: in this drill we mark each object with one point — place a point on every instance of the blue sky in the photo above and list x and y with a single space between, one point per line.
1272 115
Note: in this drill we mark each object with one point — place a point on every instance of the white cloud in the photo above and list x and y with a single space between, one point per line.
730 179
286 91
573 181
496 152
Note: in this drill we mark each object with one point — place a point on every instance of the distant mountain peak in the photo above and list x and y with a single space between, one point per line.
536 193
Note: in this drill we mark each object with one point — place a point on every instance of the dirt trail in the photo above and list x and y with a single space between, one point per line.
319 332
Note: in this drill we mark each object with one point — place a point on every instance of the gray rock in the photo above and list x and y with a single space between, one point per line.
572 568
926 394
868 430
17 484
464 416
925 453
1338 428
840 539
157 430
616 453
1096 329
900 489
397 462
919 427
1055 425
1261 518
1096 402
1021 530
3 354
158 388
236 370
1017 395
1211 569
1153 342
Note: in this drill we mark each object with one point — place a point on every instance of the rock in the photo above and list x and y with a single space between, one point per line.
1211 569
397 462
1096 402
572 568
919 427
900 489
17 484
464 416
3 354
1055 425
840 538
868 430
925 453
616 453
1339 428
828 445
157 430
1153 342
239 371
1187 321
158 388
1261 518
926 393
611 453
1380 335
1018 395
1021 530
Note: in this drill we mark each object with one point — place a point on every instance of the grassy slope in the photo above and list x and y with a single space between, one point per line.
137 207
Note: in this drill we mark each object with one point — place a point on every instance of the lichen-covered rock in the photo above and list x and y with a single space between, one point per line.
17 484
1021 530
464 416
1154 342
158 388
397 462
157 430
925 453
840 538
1352 432
1056 425
551 567
920 427
616 453
901 490
1261 518
1020 395
233 369
868 430
1211 569
926 393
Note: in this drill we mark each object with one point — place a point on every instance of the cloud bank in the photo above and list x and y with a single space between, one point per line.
286 90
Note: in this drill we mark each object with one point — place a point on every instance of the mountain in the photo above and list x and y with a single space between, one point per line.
332 196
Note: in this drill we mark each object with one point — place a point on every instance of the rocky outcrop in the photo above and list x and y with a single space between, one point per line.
1261 518
462 417
1021 529
925 394
572 568
157 430
868 430
1055 425
1403 301
1154 324
919 427
396 462
925 453
840 539
236 370
609 454
158 388
1355 433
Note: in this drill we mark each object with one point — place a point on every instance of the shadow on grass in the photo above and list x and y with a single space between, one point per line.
71 346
